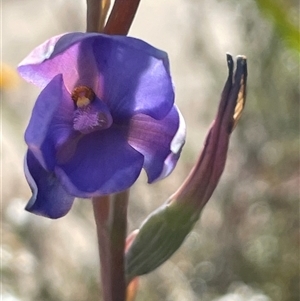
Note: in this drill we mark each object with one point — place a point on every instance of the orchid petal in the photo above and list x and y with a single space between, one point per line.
134 76
159 141
129 74
51 122
100 163
49 198
70 55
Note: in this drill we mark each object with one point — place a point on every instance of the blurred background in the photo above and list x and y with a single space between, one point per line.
246 244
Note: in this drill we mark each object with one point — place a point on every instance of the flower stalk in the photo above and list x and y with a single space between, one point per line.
111 220
121 17
93 16
110 211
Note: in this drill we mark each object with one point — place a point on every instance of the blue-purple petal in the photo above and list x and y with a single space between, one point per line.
160 141
50 123
134 76
49 198
128 74
99 163
70 55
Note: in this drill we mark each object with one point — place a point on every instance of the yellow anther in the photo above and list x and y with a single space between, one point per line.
82 101
83 96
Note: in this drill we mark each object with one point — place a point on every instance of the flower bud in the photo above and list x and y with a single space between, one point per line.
166 228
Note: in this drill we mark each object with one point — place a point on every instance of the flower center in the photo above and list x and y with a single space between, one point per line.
91 113
82 96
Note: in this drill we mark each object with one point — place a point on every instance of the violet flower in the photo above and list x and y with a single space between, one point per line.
105 112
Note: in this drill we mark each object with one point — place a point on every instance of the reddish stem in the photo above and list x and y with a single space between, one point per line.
121 17
111 220
93 15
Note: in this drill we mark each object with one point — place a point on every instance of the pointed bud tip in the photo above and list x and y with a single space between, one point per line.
230 63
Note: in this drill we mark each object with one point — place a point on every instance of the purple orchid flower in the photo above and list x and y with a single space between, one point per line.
105 112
